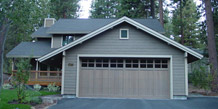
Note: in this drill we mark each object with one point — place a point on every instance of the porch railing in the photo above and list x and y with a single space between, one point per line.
44 77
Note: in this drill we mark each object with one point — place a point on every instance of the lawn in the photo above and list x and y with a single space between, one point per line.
8 95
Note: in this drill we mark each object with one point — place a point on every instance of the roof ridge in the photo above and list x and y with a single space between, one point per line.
104 18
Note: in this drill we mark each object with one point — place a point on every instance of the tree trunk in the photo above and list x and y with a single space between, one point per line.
161 12
3 34
211 44
181 21
152 9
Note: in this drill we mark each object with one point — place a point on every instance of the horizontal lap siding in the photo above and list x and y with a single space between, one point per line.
57 41
139 43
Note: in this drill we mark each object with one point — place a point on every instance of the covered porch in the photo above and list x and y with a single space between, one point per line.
44 73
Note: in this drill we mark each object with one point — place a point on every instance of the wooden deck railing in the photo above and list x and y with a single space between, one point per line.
36 78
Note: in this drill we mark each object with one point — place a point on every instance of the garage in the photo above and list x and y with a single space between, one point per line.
147 78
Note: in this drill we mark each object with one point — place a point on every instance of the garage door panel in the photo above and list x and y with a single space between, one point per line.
130 83
116 82
87 85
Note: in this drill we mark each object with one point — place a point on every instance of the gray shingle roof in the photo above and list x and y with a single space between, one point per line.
89 25
41 33
196 50
31 49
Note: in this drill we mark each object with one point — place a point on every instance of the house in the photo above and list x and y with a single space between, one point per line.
108 58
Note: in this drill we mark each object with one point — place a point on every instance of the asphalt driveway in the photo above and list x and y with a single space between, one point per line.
191 103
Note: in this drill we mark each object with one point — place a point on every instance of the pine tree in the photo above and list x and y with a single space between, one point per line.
104 8
211 44
63 8
187 23
120 8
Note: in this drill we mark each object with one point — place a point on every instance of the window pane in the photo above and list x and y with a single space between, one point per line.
120 65
135 61
98 65
91 64
105 60
84 64
91 60
128 61
143 65
157 61
150 61
164 61
98 60
113 61
113 65
123 33
68 39
150 65
143 61
120 61
105 65
157 65
135 65
128 65
164 66
84 60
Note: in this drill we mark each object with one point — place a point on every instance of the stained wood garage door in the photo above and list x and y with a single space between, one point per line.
124 78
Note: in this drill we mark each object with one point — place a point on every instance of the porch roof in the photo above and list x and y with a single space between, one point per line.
30 49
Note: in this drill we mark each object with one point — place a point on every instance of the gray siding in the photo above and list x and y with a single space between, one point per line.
139 43
57 41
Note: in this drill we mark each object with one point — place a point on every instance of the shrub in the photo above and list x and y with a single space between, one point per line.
53 88
7 86
21 77
202 79
37 87
36 100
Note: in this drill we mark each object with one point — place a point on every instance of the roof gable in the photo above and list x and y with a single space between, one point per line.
115 23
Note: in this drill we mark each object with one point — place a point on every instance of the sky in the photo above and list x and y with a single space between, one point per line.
85 7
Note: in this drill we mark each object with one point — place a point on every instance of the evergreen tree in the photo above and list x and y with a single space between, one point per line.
211 44
120 8
104 8
188 24
63 8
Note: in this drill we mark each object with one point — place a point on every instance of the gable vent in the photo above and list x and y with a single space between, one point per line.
48 22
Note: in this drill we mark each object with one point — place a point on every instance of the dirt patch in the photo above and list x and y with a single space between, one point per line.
43 105
16 102
194 90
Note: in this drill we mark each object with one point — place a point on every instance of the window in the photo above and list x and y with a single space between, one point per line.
124 63
67 39
124 34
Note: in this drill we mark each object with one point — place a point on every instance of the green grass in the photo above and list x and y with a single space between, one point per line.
9 95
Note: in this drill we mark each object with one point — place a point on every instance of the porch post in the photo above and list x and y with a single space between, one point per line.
63 70
37 68
186 73
12 63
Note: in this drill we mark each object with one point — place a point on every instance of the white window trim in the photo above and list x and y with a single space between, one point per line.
52 42
127 33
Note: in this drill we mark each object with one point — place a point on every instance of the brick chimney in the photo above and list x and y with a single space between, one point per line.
48 22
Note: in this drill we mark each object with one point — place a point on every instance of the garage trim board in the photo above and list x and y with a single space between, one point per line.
124 56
